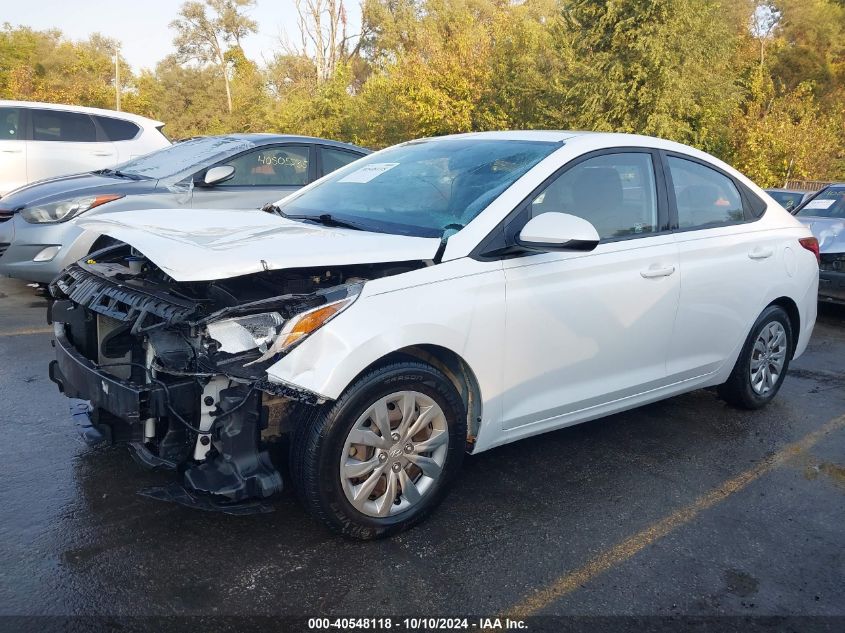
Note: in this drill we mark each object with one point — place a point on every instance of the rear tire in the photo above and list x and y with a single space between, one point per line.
762 365
379 459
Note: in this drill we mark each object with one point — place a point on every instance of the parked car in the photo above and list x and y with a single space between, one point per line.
39 235
790 199
44 140
824 214
442 296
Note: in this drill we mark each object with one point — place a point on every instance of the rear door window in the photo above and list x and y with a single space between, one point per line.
10 124
67 127
336 158
117 129
272 166
705 197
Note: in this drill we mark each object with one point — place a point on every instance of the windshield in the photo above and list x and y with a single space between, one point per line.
426 188
175 159
830 203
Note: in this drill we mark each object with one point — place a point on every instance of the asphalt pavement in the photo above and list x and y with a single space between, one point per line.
684 508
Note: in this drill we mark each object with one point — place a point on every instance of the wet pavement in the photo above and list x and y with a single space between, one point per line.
613 517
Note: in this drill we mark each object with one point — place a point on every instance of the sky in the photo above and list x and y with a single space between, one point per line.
142 27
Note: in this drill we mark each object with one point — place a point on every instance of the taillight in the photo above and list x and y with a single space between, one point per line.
812 245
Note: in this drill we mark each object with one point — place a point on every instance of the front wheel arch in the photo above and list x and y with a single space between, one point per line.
318 440
454 367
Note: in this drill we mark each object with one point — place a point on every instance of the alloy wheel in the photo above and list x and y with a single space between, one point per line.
768 357
394 454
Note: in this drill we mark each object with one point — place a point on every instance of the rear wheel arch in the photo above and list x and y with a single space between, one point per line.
791 309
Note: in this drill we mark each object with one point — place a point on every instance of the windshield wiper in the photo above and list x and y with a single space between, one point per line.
115 172
326 219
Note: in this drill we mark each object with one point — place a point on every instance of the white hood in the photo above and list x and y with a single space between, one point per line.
208 244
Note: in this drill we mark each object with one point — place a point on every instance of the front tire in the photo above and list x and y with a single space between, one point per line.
762 365
379 459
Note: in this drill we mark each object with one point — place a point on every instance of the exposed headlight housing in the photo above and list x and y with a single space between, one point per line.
241 334
65 210
301 326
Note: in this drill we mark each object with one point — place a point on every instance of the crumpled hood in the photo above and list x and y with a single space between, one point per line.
209 244
830 232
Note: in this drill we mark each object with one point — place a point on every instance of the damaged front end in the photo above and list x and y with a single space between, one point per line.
178 370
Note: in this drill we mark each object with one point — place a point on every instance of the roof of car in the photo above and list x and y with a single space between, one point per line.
597 140
75 108
780 190
266 137
611 139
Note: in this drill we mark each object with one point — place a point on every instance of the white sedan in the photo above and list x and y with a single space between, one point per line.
440 297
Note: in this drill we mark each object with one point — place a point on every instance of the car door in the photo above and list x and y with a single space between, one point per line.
262 175
12 150
63 142
727 264
589 328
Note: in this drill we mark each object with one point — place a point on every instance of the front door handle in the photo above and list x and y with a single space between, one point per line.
652 272
11 151
103 154
760 253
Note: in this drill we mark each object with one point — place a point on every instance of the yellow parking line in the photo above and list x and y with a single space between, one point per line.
35 330
634 544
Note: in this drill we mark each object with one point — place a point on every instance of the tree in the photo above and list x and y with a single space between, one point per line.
658 67
44 66
189 99
207 37
778 138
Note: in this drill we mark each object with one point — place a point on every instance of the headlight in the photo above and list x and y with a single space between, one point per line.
240 334
64 210
300 327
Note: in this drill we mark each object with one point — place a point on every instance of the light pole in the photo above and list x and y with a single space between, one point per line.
117 81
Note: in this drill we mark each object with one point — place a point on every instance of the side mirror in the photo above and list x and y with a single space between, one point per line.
218 174
558 232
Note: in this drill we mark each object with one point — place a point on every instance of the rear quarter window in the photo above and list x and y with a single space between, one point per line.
117 129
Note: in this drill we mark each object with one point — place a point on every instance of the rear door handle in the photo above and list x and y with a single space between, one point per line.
103 154
11 151
760 253
653 272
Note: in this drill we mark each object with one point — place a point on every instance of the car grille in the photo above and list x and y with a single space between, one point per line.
120 302
3 247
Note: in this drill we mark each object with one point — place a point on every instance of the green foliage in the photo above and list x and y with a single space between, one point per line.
757 82
43 66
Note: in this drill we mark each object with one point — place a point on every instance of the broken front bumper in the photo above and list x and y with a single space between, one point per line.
78 377
235 471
